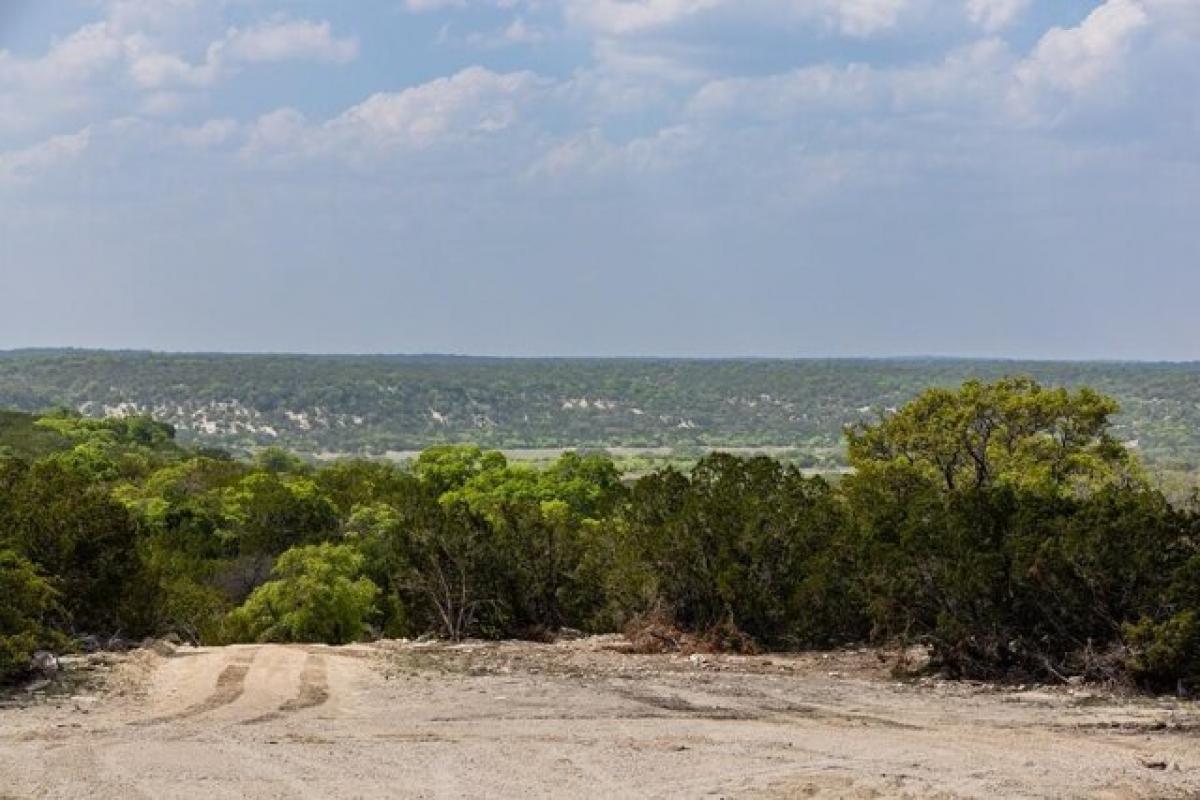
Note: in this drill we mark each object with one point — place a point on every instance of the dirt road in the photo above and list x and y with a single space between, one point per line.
578 720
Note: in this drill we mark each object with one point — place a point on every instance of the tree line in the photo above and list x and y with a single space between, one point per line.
1001 524
372 404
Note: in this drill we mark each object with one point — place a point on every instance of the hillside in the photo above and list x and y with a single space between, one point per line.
373 404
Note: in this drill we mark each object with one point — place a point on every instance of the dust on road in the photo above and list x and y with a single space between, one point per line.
579 719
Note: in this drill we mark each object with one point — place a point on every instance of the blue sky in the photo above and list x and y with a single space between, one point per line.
603 177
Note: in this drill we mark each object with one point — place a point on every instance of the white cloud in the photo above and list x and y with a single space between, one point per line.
273 41
592 153
213 133
1175 17
68 79
964 82
122 64
855 18
1089 69
1075 63
23 165
80 57
521 32
866 17
517 32
651 64
996 15
581 151
655 86
425 6
156 15
162 104
285 40
278 136
822 88
151 68
472 103
632 16
422 6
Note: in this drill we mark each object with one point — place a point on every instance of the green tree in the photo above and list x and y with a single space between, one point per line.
267 513
317 594
1012 432
349 484
76 533
29 602
745 543
449 467
1004 526
544 523
450 564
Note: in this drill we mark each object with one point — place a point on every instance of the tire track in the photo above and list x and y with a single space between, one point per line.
314 686
231 683
313 691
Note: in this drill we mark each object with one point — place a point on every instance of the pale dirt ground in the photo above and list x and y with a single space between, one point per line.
576 720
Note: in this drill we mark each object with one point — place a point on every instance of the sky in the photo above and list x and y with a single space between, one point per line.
603 177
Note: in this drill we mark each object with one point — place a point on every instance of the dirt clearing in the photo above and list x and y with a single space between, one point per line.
578 719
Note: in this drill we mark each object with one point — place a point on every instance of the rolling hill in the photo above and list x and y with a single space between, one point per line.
374 404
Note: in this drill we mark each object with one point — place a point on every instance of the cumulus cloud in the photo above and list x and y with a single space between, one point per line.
866 17
277 135
68 79
81 56
471 103
211 133
272 41
475 100
156 15
110 61
517 32
856 18
151 68
1093 67
654 85
25 164
632 16
995 15
648 64
284 40
592 153
1075 63
962 82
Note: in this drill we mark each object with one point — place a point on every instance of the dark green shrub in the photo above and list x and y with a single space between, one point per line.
28 602
1166 655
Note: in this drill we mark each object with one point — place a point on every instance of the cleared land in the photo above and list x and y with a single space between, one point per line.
577 719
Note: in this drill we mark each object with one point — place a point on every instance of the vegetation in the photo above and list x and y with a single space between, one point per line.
1003 524
28 601
370 405
317 595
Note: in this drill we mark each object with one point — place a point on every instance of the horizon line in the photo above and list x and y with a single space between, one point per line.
53 350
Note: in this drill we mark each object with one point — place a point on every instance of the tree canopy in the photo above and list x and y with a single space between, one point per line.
1004 525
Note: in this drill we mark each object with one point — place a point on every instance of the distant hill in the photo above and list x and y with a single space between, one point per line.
372 404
